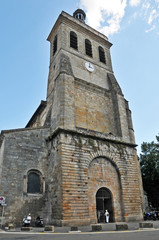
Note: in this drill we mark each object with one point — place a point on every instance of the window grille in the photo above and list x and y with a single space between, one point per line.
73 40
88 47
101 55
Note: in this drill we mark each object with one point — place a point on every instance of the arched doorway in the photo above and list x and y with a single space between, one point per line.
103 202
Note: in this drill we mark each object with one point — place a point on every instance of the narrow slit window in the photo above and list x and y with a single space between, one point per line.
101 55
73 40
88 48
55 45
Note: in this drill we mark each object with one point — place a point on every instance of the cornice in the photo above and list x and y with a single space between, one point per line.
69 20
91 134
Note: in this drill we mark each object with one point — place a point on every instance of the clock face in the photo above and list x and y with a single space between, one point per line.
89 66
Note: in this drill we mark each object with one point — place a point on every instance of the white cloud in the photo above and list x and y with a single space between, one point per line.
151 29
104 15
134 3
152 16
151 13
146 5
135 15
107 15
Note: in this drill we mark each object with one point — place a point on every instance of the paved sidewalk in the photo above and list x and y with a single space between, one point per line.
105 227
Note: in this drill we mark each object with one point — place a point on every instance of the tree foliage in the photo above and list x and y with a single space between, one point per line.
149 162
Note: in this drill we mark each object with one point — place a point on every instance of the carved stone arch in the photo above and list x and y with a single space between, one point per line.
104 154
103 172
33 168
111 161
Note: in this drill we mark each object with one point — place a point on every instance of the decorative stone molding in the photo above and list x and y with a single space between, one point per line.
65 65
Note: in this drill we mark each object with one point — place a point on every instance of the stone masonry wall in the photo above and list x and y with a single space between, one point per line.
79 184
54 205
23 150
94 108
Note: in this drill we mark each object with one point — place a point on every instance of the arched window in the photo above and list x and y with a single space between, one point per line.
73 40
34 182
55 45
88 47
101 55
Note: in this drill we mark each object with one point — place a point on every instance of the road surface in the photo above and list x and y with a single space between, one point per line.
127 235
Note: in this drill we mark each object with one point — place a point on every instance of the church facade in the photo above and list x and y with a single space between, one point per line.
76 157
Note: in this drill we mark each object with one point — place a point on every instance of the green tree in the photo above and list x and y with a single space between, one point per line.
149 162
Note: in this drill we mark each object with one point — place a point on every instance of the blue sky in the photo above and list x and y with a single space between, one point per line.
131 25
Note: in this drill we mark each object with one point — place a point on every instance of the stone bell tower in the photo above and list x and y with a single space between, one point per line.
92 142
76 157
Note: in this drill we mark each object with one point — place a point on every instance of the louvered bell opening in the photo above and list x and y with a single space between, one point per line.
88 47
73 41
102 55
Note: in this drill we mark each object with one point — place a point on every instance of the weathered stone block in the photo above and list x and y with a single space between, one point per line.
121 227
11 226
74 228
49 228
96 227
146 225
26 228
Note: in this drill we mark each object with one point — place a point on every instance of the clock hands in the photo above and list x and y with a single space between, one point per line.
90 65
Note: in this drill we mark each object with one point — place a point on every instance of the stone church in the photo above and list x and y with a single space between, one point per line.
76 157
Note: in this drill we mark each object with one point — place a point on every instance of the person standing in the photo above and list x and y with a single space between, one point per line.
99 214
106 216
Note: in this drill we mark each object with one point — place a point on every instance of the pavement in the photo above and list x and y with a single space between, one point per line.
132 226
